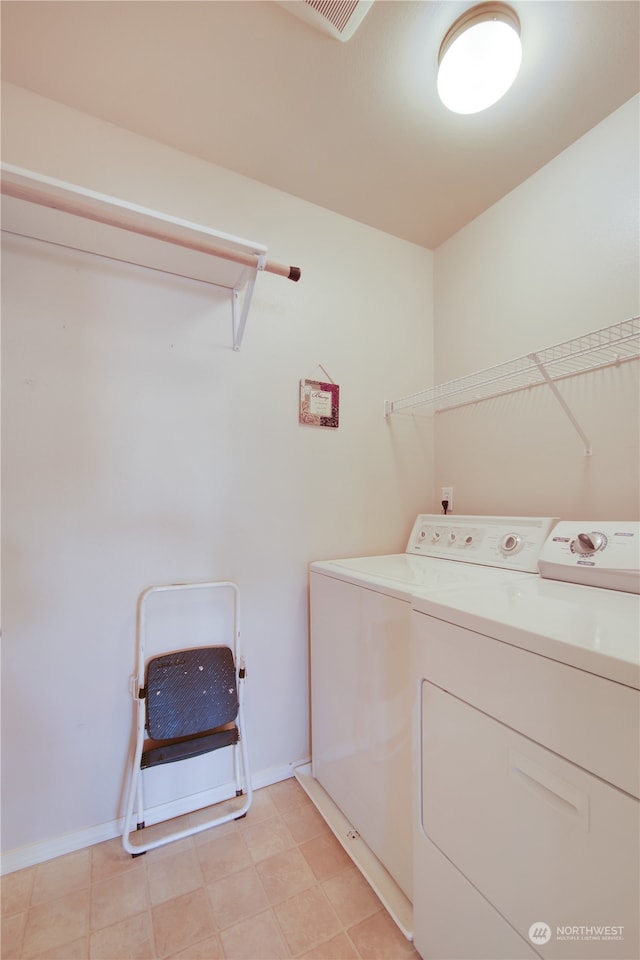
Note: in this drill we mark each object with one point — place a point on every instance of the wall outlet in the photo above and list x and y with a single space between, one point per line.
447 494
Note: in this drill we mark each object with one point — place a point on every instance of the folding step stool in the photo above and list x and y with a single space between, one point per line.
188 702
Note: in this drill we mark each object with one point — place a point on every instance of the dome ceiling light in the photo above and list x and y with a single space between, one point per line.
479 58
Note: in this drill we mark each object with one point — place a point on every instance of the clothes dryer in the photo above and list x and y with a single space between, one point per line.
527 814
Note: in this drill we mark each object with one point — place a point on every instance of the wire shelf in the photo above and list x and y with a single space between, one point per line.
605 347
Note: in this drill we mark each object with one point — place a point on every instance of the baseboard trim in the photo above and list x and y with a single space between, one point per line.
29 856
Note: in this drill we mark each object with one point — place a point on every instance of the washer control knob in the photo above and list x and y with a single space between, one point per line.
468 539
436 536
423 533
452 537
586 543
511 543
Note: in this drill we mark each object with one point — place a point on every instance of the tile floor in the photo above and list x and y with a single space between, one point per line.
276 884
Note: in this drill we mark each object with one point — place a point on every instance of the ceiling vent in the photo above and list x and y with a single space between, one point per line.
337 18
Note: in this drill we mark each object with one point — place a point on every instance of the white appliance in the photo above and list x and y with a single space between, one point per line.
527 828
360 609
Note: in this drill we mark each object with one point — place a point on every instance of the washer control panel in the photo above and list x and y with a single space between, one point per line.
509 542
596 553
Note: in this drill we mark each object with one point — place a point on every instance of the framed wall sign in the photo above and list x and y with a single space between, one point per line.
319 403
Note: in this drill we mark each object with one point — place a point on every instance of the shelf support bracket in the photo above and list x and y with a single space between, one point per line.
240 316
587 443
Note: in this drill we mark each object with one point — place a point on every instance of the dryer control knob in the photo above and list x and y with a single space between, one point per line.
468 540
589 542
452 538
436 536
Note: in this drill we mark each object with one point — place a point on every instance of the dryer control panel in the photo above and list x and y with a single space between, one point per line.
512 543
596 553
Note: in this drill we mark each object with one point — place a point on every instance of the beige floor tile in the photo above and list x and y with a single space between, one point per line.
262 807
236 897
174 875
325 856
76 950
182 922
338 948
223 855
307 920
351 896
11 936
118 898
287 795
209 949
268 837
199 817
16 891
305 823
109 859
258 938
284 875
55 878
126 940
215 833
56 922
378 938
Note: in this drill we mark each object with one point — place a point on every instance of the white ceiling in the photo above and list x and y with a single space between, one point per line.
356 126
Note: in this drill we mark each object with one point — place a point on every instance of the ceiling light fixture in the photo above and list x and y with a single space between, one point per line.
479 58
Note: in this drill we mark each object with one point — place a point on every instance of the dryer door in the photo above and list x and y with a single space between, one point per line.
539 837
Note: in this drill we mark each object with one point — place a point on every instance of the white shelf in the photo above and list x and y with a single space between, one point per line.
46 209
605 347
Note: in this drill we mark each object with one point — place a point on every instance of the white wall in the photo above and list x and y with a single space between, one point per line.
139 448
556 258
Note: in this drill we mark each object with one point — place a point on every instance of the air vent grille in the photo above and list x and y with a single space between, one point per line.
337 18
338 12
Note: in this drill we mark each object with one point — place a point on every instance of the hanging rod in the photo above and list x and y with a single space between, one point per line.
101 208
606 347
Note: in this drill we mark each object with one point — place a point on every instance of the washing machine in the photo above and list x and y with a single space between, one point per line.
361 772
527 829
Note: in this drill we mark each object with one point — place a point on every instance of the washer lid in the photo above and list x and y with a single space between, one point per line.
590 628
402 574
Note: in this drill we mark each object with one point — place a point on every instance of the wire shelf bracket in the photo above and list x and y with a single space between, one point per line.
609 346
